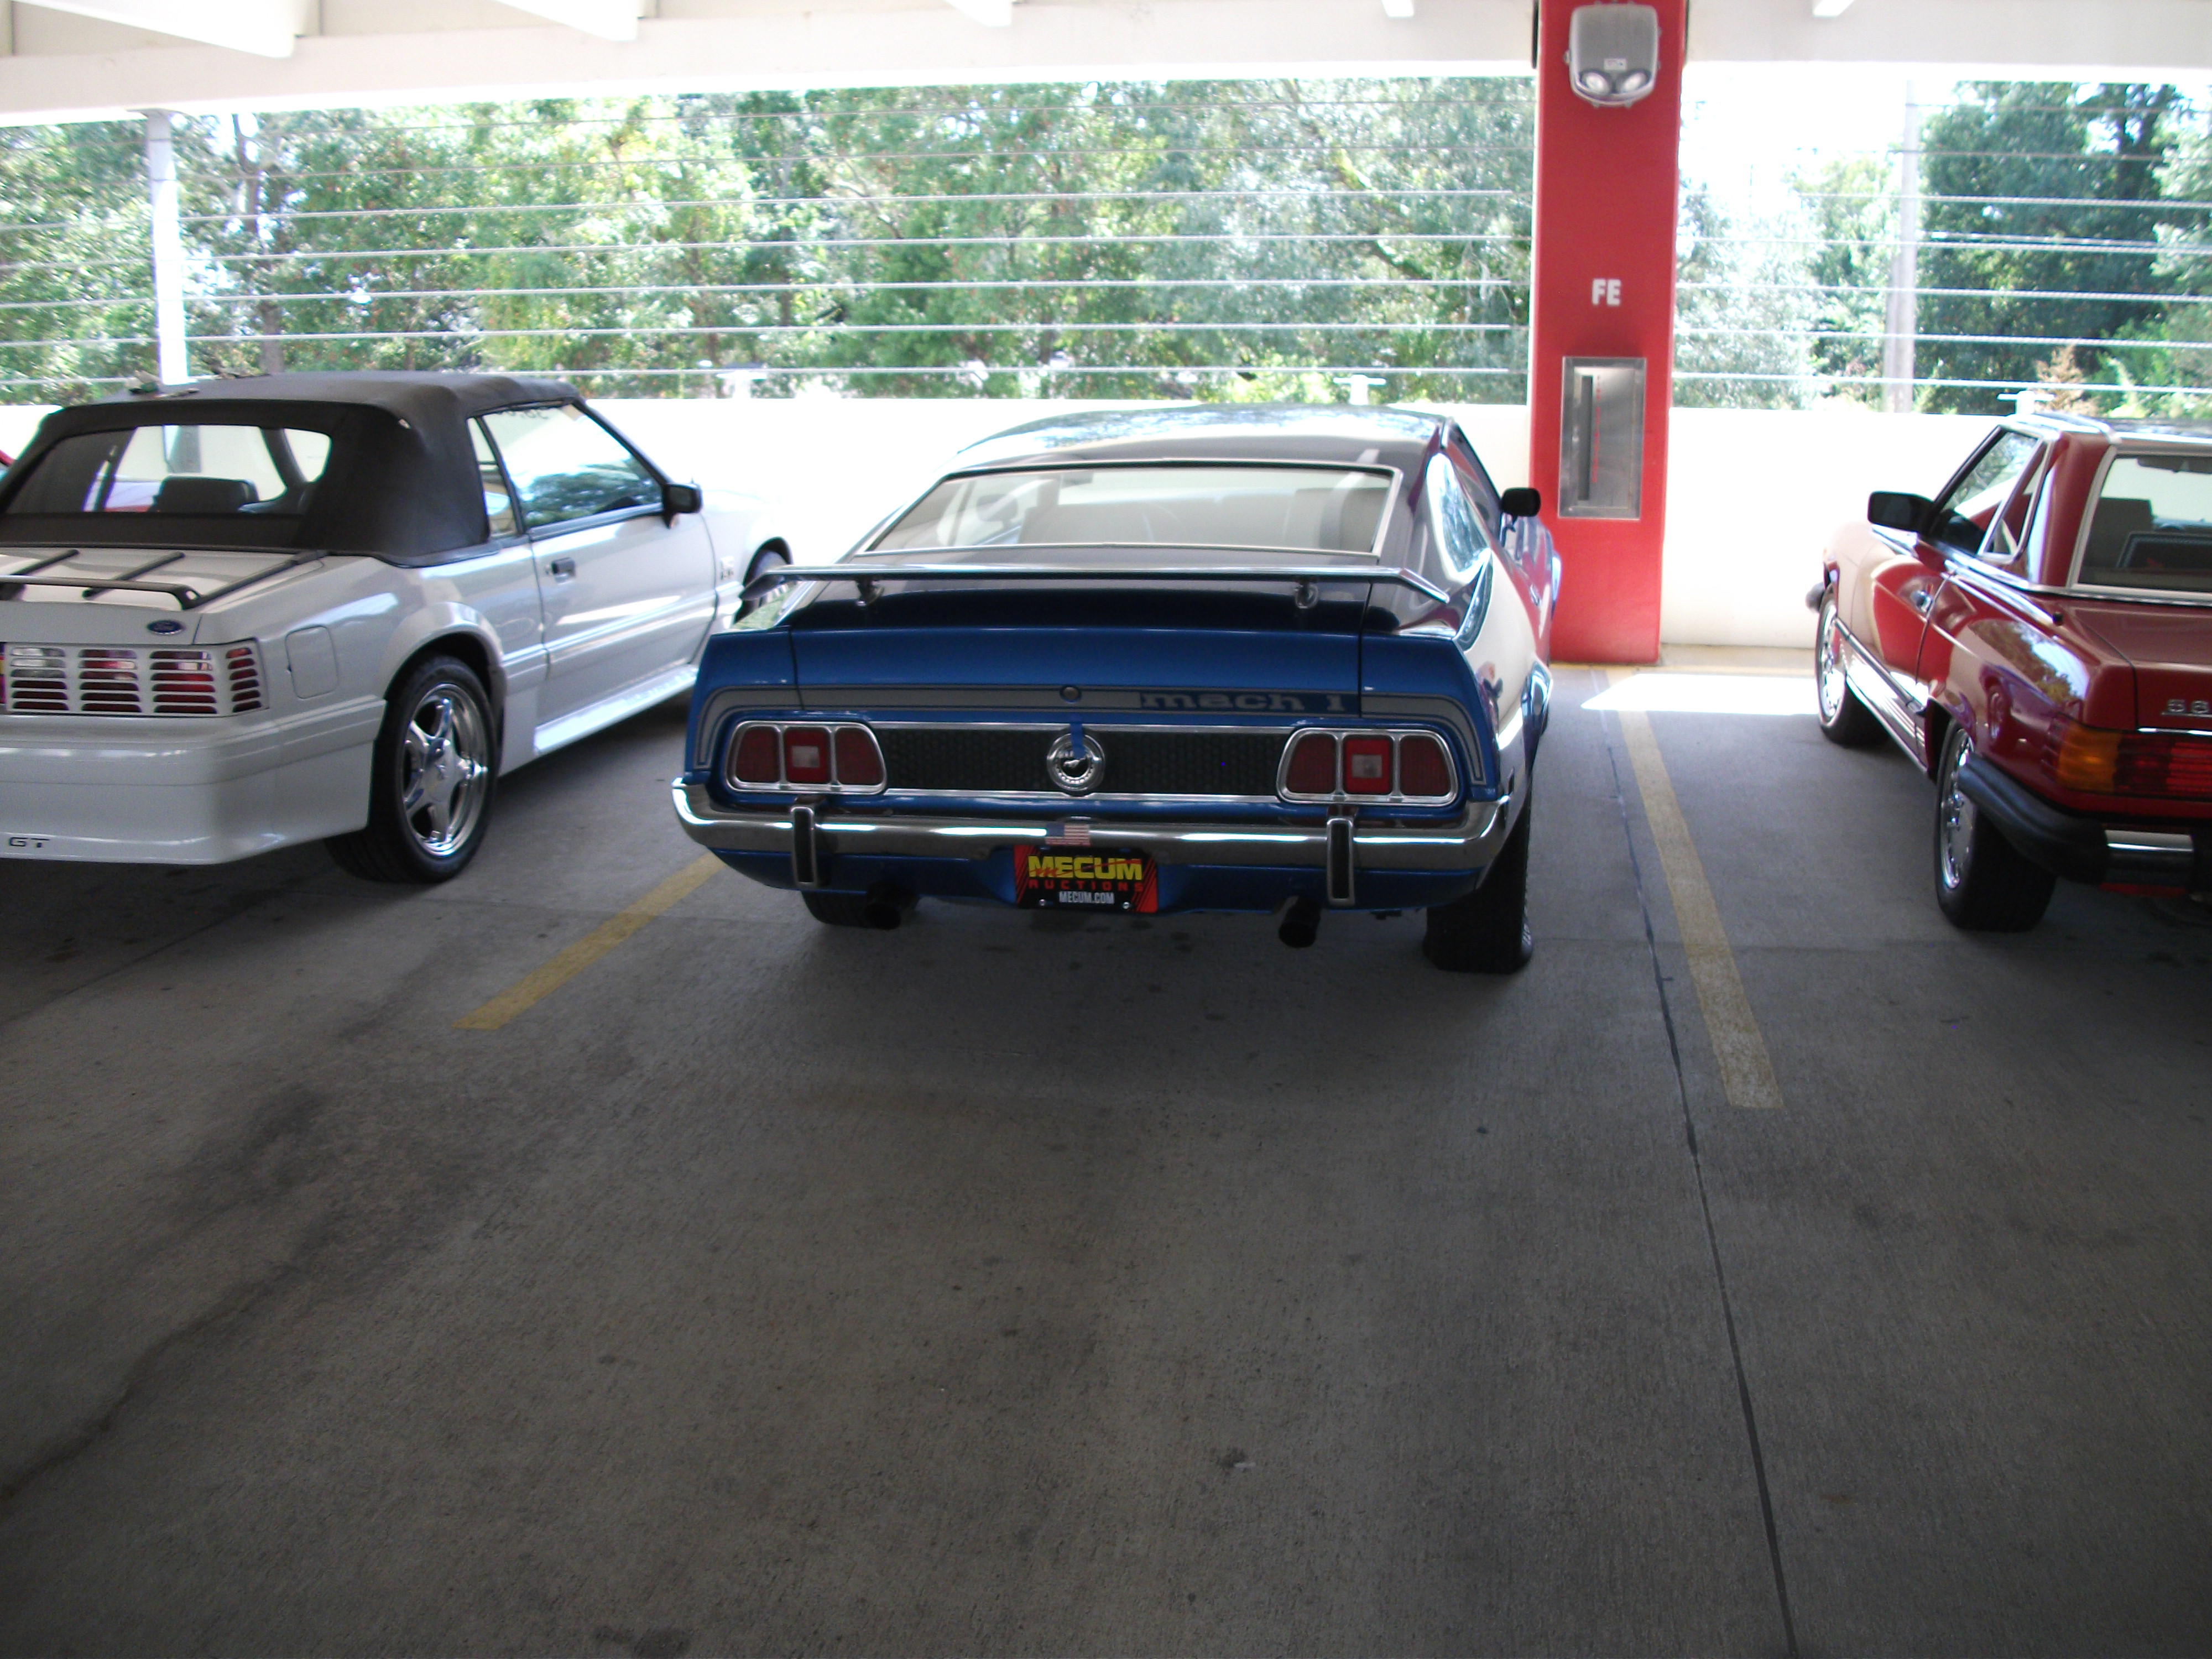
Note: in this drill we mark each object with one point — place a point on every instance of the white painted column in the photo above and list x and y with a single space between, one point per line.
1902 328
172 363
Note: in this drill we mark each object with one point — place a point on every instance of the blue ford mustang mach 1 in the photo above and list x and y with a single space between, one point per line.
1249 658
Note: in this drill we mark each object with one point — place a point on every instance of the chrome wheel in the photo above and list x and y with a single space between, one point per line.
447 751
1955 822
1833 685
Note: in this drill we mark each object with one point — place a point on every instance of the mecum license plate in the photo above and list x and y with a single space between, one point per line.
1086 878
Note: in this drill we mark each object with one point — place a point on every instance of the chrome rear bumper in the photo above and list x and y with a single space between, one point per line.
1468 841
2088 849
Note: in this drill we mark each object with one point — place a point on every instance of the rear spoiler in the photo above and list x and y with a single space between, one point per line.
187 596
1307 579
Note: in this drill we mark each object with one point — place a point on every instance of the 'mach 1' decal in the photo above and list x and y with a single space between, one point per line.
1248 703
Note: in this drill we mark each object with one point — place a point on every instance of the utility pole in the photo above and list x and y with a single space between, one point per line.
171 365
1903 322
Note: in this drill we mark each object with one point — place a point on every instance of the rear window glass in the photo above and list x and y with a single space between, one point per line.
179 471
1306 509
2153 526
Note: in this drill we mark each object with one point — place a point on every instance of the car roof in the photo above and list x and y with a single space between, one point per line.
423 397
2119 429
1382 435
403 481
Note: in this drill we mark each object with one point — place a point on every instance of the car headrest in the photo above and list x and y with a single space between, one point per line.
2118 518
190 494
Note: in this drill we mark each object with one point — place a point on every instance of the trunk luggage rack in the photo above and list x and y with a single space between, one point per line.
188 597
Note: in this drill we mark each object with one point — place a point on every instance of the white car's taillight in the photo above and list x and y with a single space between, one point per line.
122 679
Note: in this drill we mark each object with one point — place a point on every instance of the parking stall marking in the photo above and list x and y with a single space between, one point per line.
534 987
1739 1047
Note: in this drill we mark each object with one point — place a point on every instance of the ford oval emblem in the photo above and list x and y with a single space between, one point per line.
165 626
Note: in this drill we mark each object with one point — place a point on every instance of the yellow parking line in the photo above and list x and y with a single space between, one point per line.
1747 1073
534 987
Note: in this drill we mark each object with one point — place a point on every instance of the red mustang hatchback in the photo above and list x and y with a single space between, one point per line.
2039 639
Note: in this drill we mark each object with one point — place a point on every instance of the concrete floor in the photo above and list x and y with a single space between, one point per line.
999 1285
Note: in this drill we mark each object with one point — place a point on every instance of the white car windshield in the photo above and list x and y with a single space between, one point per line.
1304 509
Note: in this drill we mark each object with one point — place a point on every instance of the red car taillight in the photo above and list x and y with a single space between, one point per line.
1312 770
2168 764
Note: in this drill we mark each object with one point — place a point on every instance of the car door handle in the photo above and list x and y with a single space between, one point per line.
562 570
1921 599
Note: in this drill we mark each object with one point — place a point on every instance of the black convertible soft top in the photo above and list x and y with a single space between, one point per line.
401 484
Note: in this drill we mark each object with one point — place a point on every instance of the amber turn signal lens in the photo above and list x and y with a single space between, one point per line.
2087 759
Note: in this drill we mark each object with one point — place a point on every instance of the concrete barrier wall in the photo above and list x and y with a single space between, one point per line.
1752 493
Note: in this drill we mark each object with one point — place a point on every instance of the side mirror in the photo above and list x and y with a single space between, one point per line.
1893 509
676 498
1523 503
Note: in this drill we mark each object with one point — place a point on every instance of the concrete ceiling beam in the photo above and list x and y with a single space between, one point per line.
265 28
610 20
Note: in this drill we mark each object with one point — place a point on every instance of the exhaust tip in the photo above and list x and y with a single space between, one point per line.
887 906
1300 922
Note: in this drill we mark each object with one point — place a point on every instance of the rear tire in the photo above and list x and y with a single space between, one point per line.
1487 931
430 784
1844 717
1982 882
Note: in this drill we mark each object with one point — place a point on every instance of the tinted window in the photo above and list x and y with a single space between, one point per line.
2152 525
178 471
1304 509
1962 518
566 465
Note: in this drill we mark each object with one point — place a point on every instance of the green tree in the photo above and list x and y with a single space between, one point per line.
2037 190
76 286
1851 204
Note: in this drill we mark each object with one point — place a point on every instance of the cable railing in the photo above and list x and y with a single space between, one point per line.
1144 240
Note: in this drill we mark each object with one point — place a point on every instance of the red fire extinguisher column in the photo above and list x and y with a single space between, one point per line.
1602 291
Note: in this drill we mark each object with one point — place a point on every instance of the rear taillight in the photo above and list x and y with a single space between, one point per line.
1423 768
827 759
806 755
1312 768
1367 766
122 679
108 682
859 762
758 756
184 683
243 664
2169 764
1411 767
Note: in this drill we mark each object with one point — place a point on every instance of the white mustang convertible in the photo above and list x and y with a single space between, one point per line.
242 614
